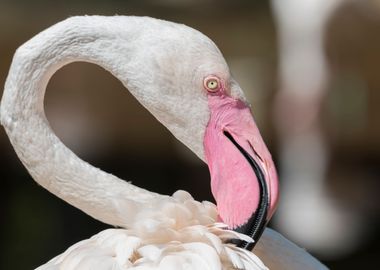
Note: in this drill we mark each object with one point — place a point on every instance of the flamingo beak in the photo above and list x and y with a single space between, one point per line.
243 177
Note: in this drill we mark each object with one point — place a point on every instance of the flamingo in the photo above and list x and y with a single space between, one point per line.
181 77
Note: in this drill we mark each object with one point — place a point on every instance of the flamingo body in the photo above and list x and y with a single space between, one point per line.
189 247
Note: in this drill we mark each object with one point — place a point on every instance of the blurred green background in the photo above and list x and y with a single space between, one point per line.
100 121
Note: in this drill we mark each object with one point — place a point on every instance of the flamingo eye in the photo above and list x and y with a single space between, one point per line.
212 84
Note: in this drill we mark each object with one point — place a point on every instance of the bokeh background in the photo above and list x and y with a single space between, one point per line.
310 70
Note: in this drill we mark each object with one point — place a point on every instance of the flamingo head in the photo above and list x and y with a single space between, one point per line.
188 87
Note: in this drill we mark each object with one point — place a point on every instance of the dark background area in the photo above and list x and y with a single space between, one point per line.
100 121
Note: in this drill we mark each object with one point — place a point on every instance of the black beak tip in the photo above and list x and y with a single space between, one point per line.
252 229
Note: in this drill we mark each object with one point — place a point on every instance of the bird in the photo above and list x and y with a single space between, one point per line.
180 76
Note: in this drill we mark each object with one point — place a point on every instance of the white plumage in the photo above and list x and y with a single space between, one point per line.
194 247
163 65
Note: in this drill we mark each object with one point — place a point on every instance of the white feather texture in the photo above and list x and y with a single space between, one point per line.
193 247
163 65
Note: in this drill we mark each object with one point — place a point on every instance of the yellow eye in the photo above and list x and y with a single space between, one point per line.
212 84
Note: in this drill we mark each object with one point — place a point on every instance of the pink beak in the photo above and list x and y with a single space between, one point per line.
243 176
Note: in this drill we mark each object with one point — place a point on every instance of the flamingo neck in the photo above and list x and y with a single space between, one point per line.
48 160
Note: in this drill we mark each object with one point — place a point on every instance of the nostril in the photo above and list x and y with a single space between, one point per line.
254 151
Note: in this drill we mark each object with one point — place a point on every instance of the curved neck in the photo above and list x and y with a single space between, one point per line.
99 40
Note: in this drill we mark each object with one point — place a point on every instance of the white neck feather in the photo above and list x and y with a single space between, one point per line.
48 160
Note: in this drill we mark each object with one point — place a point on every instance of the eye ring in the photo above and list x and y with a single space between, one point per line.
212 84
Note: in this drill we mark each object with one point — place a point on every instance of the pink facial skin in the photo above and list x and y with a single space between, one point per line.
233 182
